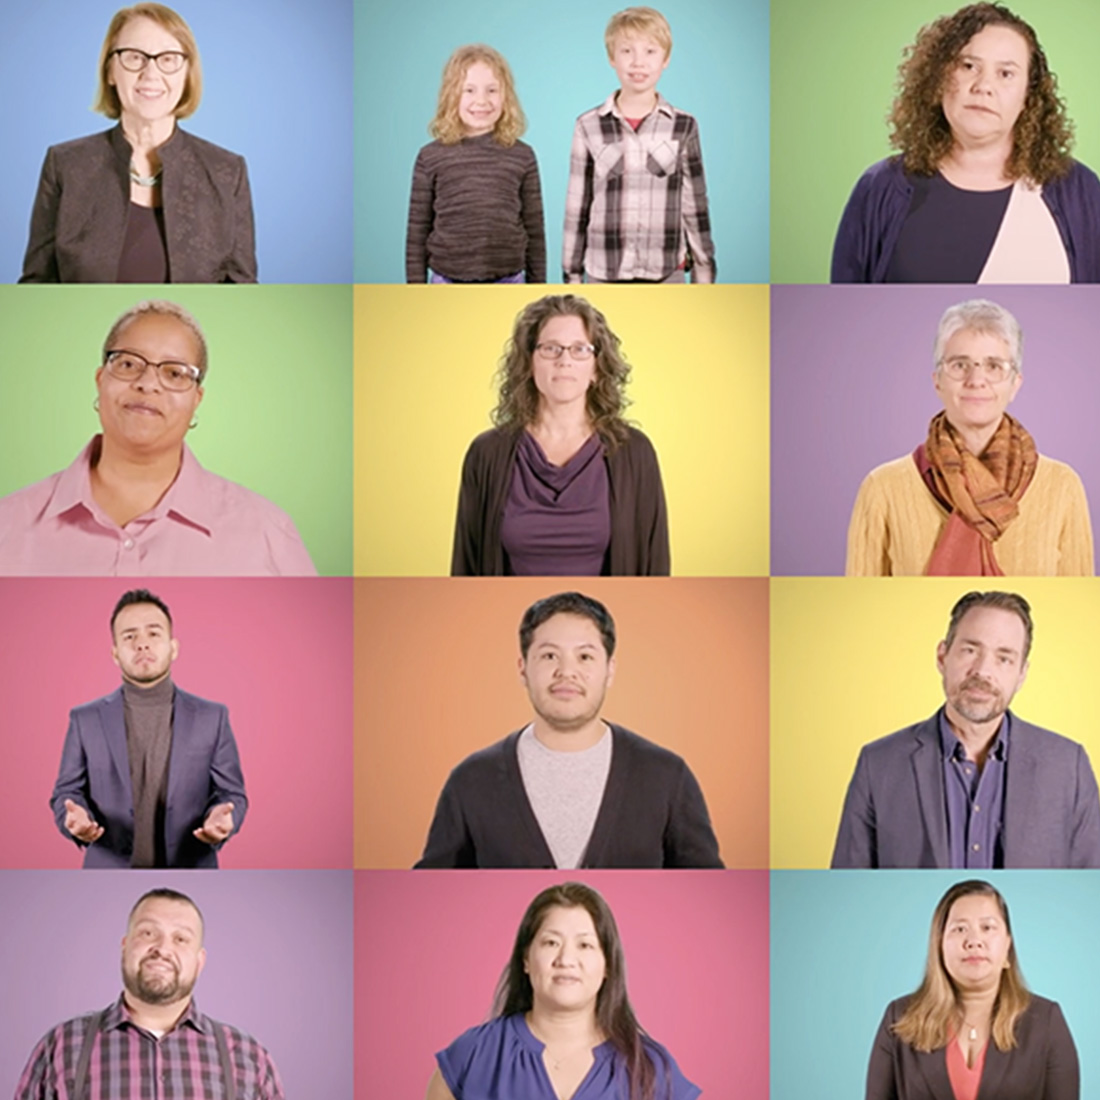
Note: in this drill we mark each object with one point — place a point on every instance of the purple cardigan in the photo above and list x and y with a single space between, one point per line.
872 221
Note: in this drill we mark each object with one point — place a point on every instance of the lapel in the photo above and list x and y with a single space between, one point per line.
993 1072
113 722
933 1067
927 764
615 794
1021 806
532 840
183 719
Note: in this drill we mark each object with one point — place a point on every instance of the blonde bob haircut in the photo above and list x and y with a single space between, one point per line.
106 99
640 20
447 126
932 1016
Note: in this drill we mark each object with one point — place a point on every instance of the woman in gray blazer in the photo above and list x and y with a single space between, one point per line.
973 1031
144 202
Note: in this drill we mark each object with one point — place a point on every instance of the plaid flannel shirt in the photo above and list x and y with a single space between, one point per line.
129 1063
637 201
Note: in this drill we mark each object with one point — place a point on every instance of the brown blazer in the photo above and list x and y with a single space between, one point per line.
1043 1065
79 220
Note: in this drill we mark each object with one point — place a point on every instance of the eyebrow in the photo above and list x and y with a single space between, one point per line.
1011 650
978 57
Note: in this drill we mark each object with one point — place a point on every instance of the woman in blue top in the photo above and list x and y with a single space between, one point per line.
562 1026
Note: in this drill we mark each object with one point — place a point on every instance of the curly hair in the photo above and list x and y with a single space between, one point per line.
518 397
918 127
447 126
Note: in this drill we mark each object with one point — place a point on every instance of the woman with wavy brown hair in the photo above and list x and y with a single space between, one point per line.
562 1024
972 1028
983 188
562 485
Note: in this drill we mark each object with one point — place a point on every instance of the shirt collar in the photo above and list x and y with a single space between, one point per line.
188 497
952 746
118 1015
611 107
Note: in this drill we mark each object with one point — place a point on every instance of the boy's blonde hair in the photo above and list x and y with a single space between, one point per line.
647 21
447 126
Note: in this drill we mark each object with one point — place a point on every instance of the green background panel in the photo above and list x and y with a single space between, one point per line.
834 67
276 416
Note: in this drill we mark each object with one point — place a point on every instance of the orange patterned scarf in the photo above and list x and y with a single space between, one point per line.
981 493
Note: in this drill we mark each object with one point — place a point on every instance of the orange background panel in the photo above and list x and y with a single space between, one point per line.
436 678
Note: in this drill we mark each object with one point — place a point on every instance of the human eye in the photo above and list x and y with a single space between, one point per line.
174 372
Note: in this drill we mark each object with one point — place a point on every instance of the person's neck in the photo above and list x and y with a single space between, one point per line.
145 140
976 737
976 1005
635 106
569 740
564 1028
147 470
156 1017
561 422
976 439
978 166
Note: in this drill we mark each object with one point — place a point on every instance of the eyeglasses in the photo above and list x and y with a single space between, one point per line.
128 366
992 370
133 61
576 351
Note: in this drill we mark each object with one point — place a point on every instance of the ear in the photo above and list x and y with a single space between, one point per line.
199 392
610 671
1017 382
941 652
114 657
1023 675
521 668
174 649
202 961
936 382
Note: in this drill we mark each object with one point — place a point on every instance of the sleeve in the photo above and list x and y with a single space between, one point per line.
1075 551
241 265
449 844
467 552
653 515
226 778
40 260
271 1086
689 838
578 206
852 247
1063 1075
1084 845
694 210
881 1073
856 845
38 1079
421 207
531 200
287 554
868 533
455 1061
72 779
671 1082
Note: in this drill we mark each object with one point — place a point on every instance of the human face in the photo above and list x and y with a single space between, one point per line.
565 961
144 648
975 943
974 403
149 95
142 415
638 62
162 952
566 380
985 666
482 100
985 92
567 672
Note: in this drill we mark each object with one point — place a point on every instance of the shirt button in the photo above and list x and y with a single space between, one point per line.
977 808
977 847
128 544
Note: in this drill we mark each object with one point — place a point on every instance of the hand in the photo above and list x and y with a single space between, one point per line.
574 278
81 824
218 824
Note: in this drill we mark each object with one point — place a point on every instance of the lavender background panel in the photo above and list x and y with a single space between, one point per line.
279 950
851 388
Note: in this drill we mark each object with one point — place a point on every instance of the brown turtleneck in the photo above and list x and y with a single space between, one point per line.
148 717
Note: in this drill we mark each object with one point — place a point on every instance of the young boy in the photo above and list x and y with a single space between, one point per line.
636 210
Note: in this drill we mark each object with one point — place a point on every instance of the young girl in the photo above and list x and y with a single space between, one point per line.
475 214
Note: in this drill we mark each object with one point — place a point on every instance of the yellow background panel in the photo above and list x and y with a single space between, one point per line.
424 363
853 659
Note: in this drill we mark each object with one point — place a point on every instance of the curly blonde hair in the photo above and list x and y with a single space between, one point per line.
919 129
447 126
518 397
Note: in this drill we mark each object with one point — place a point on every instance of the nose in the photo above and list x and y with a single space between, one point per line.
979 80
148 379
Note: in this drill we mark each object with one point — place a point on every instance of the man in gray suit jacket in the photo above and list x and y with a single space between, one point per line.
149 775
974 786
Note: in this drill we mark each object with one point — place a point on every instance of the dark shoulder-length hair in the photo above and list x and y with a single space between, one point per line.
933 1011
614 1015
517 395
1043 134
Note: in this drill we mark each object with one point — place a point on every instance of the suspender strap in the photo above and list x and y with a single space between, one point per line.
91 1030
223 1057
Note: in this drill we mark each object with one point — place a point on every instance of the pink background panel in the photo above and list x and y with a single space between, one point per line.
277 652
430 946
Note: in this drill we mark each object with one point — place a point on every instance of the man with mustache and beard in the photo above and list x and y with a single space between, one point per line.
153 1032
974 786
570 790
149 775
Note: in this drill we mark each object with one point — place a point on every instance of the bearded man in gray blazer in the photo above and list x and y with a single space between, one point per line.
974 786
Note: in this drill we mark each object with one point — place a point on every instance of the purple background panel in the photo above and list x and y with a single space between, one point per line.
851 388
278 965
430 946
276 652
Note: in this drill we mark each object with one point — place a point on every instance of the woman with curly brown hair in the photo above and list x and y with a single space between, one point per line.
983 189
562 485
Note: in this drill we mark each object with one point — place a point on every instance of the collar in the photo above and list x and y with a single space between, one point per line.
611 107
952 747
124 152
189 497
118 1015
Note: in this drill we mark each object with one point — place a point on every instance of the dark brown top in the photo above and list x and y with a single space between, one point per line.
147 713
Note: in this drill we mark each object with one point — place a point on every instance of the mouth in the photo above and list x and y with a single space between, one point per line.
142 409
566 690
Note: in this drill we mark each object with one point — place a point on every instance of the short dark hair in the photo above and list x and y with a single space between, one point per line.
1006 601
165 893
139 595
567 603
